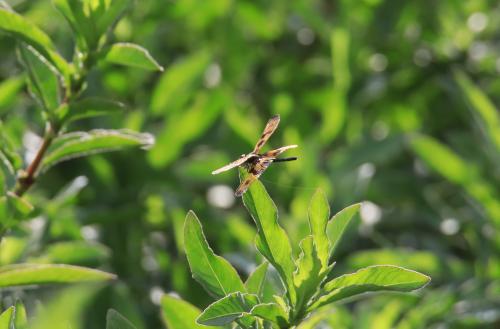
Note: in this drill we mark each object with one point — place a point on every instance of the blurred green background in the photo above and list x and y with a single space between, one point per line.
391 102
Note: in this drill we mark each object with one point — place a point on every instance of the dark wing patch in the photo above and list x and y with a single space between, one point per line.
271 126
278 151
233 164
254 172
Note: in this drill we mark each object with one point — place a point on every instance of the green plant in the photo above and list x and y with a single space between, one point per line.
58 88
307 281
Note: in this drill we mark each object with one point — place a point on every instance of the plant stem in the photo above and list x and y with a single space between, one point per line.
27 179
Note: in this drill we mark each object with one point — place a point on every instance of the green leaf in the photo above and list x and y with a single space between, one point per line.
271 241
175 86
6 318
185 126
179 314
88 108
76 252
213 272
115 320
78 144
26 31
43 80
110 14
256 281
319 213
9 89
65 310
337 225
481 106
272 312
373 278
21 207
130 54
309 275
20 318
30 274
228 309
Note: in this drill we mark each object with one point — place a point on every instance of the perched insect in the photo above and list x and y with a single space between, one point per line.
256 163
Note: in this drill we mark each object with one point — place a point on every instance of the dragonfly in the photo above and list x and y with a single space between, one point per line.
256 163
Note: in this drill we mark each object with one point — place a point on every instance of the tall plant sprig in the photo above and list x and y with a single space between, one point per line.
306 280
57 86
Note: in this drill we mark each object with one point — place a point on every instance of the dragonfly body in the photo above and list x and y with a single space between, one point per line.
256 163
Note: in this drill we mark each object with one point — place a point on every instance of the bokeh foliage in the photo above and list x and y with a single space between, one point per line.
394 102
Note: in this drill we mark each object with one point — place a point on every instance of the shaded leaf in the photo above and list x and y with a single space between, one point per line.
31 274
337 225
9 89
130 54
78 144
272 312
256 280
373 278
179 314
28 32
88 108
271 241
228 309
213 272
43 80
21 318
115 320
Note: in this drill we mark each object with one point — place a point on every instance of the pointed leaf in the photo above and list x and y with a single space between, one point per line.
130 54
373 278
271 241
115 320
111 14
272 312
26 31
20 318
319 213
228 309
337 225
179 314
309 275
20 206
213 272
6 318
43 80
90 107
256 280
78 144
31 274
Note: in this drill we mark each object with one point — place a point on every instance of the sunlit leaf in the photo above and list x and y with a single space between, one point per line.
31 274
78 144
179 314
213 272
337 225
21 318
115 320
6 318
227 309
271 241
130 54
319 213
369 279
76 253
309 274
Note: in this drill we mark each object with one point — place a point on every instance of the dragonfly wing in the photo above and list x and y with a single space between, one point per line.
233 164
278 151
271 126
255 173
